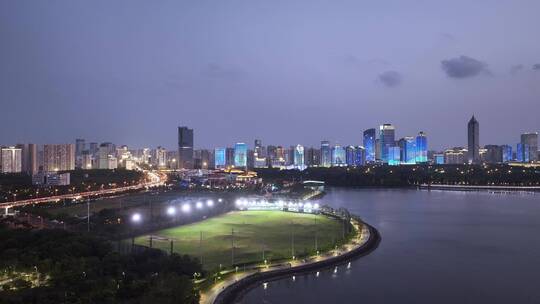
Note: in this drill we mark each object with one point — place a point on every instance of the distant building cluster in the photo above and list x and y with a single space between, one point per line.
379 145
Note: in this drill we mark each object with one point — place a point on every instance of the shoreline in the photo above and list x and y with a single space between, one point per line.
237 289
479 187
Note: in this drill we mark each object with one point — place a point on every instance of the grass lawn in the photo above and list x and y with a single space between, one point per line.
253 230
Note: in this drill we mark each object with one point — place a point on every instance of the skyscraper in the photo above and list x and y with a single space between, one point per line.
350 155
219 158
29 158
299 157
326 154
421 148
11 160
369 144
531 141
338 156
58 157
185 148
408 150
229 157
387 139
240 155
473 136
359 156
394 155
506 153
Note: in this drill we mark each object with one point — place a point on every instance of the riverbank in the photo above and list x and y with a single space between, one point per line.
478 187
366 240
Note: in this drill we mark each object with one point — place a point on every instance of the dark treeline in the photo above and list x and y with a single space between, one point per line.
402 176
55 266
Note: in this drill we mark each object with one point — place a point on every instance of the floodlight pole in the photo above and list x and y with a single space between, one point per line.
292 239
232 247
316 235
172 244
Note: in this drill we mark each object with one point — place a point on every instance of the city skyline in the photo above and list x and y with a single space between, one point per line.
83 71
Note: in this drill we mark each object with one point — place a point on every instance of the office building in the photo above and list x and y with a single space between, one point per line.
394 156
220 160
350 155
29 156
473 139
438 158
456 156
387 139
185 148
530 140
312 157
507 153
58 157
359 156
369 144
421 148
408 150
494 154
326 154
240 155
338 156
299 157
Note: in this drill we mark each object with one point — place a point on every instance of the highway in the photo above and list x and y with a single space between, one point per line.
155 180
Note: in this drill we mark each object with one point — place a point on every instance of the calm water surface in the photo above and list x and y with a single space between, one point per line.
437 247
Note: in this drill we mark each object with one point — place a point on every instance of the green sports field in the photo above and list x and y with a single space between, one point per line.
253 231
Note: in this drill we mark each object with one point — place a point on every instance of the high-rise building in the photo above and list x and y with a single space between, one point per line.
29 158
378 149
473 138
522 153
229 157
408 150
93 148
338 156
299 157
219 158
531 141
313 157
11 159
455 156
58 157
259 155
240 155
387 139
350 155
326 154
494 154
421 148
438 158
161 158
185 148
394 155
107 156
369 144
506 153
359 156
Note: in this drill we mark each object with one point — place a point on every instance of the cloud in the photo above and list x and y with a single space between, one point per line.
390 78
464 67
536 67
516 68
448 36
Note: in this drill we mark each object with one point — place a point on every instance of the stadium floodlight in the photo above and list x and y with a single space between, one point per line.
199 205
308 206
209 203
171 210
186 208
220 200
300 205
136 217
316 206
238 203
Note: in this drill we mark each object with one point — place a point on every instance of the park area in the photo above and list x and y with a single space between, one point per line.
255 233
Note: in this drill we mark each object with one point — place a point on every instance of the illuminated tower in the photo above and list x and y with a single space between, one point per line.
473 136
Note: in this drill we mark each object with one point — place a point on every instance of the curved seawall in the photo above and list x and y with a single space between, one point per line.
237 289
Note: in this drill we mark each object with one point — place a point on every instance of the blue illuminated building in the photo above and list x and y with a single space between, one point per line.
240 155
338 156
359 156
387 140
369 145
407 146
299 157
439 159
522 153
421 148
506 153
219 158
394 155
349 155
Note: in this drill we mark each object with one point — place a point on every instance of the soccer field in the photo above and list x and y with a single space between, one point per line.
253 232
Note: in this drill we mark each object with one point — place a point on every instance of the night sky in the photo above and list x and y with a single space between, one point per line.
286 72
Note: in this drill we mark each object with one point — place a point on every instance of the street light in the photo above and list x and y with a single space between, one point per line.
136 217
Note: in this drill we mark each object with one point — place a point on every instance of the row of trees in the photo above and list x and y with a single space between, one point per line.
401 176
77 268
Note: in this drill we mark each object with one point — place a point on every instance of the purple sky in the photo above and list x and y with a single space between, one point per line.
286 72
